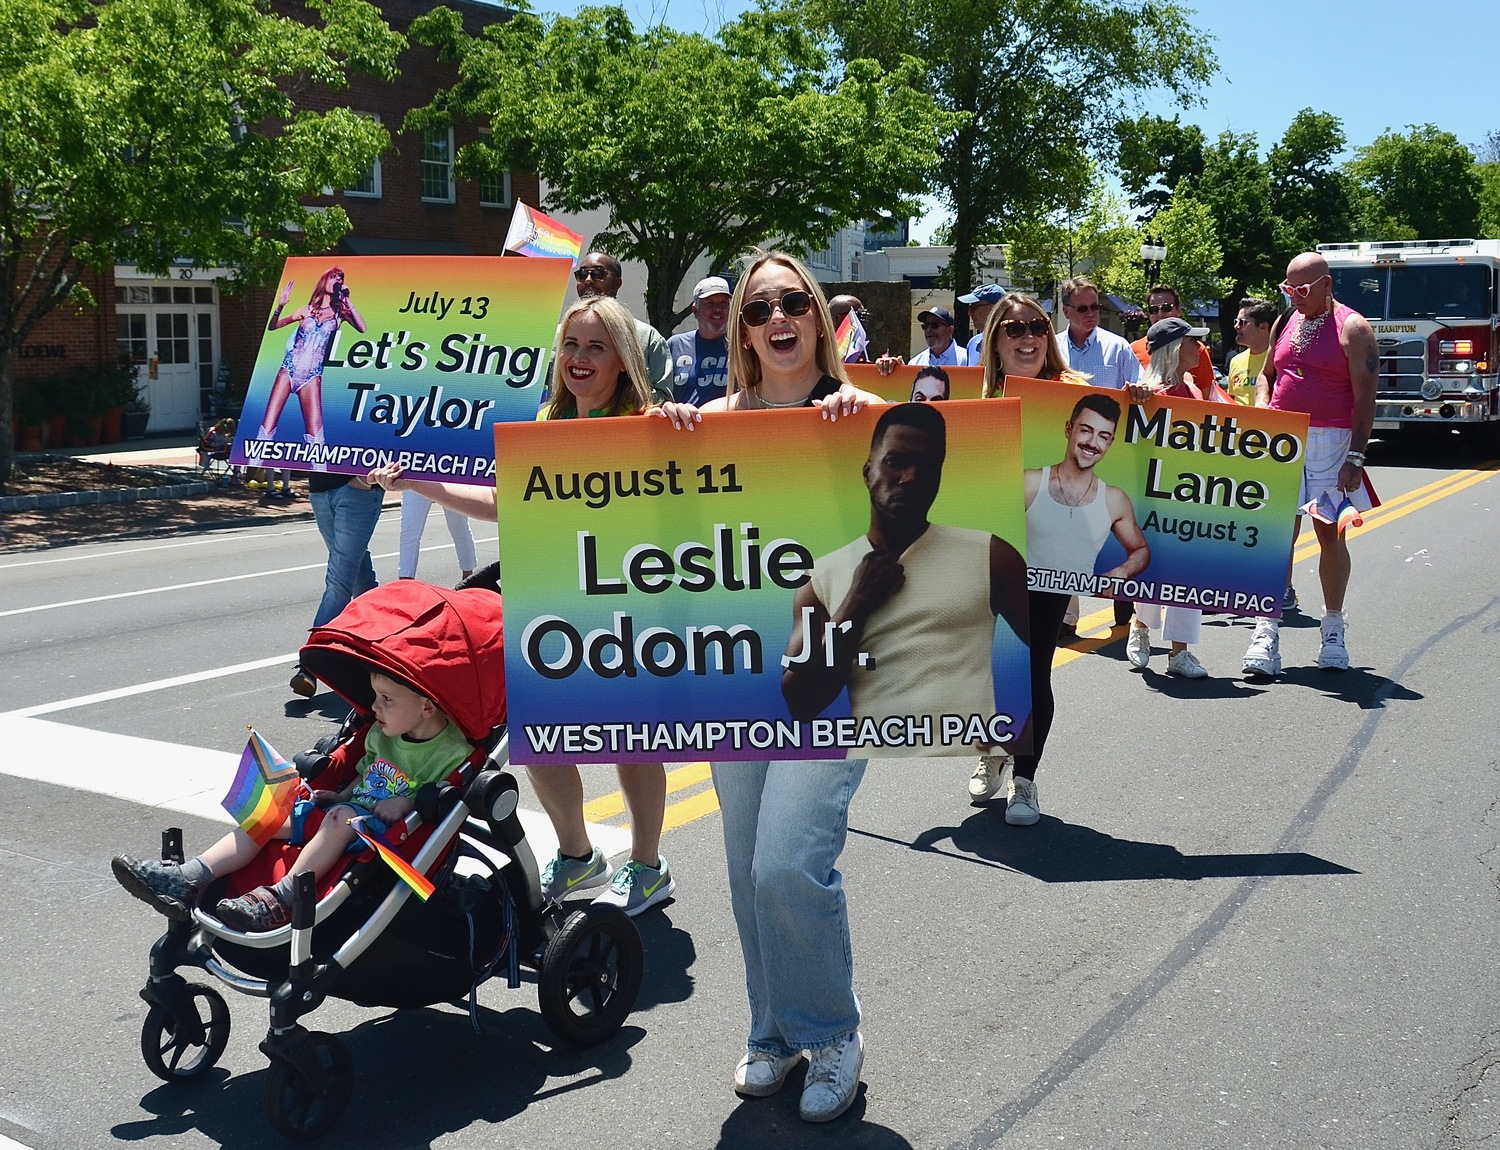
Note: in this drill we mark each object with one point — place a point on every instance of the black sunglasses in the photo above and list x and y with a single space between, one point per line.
1016 328
1085 308
1161 308
581 274
757 313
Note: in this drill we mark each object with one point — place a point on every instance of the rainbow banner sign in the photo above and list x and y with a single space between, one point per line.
674 595
265 787
1175 501
369 360
407 873
963 382
534 234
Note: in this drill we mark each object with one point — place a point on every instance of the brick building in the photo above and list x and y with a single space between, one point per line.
190 336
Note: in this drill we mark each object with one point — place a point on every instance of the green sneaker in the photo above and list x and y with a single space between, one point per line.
638 886
562 876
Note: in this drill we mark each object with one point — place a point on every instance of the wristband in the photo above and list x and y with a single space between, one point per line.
1356 457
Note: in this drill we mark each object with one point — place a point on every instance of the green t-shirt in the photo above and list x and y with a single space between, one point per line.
395 768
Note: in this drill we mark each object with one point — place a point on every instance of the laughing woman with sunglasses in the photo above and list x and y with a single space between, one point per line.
785 822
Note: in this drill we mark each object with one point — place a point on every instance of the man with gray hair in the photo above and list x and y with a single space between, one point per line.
1102 355
700 359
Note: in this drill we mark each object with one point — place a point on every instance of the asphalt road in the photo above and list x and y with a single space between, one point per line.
1251 915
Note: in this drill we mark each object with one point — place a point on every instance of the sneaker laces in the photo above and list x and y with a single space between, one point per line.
625 877
824 1065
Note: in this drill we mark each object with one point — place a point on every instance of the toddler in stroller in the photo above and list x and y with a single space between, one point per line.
426 663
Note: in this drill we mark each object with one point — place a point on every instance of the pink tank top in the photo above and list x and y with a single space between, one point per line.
1315 379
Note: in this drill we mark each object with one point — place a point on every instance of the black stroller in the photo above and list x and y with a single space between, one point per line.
364 936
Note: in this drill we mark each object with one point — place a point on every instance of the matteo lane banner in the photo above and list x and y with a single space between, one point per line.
769 585
368 360
1174 501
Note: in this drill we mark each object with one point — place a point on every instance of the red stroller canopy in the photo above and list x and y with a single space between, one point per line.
446 644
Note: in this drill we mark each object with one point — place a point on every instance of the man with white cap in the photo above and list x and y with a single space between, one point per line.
981 301
937 329
700 359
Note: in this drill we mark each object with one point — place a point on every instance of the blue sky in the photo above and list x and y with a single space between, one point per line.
1377 65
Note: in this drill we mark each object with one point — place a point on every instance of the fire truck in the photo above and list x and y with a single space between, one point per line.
1435 308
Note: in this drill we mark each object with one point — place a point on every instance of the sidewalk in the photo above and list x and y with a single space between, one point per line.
186 499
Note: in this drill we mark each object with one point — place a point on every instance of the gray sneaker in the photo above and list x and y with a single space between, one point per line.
162 885
562 876
832 1079
1333 655
1022 807
637 886
984 783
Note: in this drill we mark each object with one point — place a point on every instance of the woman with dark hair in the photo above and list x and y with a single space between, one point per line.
598 370
301 370
785 821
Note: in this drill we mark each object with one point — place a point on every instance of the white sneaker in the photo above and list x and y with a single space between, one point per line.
1263 656
985 781
1138 646
1333 655
760 1074
1186 665
1022 808
832 1079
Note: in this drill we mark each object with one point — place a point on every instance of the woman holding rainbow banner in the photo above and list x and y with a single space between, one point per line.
785 822
599 370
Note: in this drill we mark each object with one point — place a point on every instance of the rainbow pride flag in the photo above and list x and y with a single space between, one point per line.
534 234
407 873
263 791
852 338
1324 509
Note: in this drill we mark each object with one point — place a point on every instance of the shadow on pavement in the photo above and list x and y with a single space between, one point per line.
1055 851
670 954
758 1123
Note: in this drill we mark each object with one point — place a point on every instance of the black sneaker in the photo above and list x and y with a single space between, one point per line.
159 884
303 683
257 911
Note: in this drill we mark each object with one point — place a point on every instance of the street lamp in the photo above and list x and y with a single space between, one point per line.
1153 255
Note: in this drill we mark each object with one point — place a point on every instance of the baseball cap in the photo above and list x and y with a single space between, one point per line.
1168 331
984 293
939 313
713 285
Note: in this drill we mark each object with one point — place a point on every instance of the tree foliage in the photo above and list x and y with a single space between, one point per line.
1050 249
149 131
1039 84
1311 196
1156 155
693 144
1421 185
1194 254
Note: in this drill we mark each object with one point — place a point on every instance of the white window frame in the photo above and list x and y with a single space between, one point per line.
377 191
452 195
508 193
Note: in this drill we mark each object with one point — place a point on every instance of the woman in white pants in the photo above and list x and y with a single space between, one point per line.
414 509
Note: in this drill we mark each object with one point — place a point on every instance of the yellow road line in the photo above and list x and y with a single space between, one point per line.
706 801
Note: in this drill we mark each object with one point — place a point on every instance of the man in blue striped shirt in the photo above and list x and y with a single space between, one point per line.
1102 355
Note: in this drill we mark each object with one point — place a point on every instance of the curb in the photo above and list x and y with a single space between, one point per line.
109 495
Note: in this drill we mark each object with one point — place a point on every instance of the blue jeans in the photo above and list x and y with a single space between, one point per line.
784 827
346 519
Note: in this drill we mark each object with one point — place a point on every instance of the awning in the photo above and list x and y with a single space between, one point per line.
1126 309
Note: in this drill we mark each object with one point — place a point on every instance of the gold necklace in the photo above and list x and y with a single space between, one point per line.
764 402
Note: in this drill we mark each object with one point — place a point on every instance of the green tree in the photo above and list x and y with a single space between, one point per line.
1155 156
1488 171
694 145
1040 88
147 131
1418 186
1066 243
1194 255
1311 197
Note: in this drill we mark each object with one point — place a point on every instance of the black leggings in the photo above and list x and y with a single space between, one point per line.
1046 611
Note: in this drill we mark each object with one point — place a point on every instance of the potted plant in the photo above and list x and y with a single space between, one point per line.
117 383
137 412
32 413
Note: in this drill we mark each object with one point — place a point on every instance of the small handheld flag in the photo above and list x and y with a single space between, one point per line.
535 234
404 870
852 338
263 791
1325 510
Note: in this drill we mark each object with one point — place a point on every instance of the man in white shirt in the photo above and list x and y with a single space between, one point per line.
981 301
1102 355
937 327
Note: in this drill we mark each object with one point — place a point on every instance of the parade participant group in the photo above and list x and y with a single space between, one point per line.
765 343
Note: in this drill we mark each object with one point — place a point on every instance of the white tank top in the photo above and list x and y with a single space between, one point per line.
1063 538
932 642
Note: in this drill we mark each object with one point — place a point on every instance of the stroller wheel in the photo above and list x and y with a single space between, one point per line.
181 1043
591 974
306 1094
